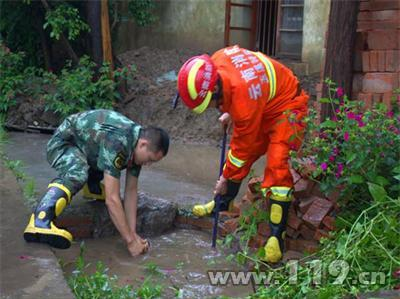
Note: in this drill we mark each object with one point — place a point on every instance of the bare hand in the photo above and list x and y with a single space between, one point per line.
226 121
221 186
138 246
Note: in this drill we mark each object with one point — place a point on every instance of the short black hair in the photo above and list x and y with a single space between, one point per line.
158 138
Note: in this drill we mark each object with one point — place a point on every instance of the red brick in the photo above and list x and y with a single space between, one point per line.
263 229
296 176
381 61
254 184
290 232
386 15
291 255
315 190
301 188
228 214
357 63
373 61
361 40
81 232
231 225
392 61
364 16
383 4
181 219
293 221
364 6
363 26
380 82
366 98
387 99
73 221
317 211
306 232
236 206
383 39
202 223
257 241
320 233
305 203
377 98
357 82
329 222
365 61
301 245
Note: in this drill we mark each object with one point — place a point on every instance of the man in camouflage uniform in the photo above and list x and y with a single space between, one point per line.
87 148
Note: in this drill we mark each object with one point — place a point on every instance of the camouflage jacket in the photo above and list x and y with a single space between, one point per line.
107 138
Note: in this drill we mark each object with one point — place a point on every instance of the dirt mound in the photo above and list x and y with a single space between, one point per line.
154 87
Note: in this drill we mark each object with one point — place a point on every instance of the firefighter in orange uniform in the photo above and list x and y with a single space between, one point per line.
265 104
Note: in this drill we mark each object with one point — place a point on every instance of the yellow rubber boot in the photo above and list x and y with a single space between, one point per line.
101 195
273 253
41 228
204 210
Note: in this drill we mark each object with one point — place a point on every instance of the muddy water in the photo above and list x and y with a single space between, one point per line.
183 258
185 176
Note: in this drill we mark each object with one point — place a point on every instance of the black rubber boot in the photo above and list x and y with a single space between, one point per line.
279 211
93 188
41 228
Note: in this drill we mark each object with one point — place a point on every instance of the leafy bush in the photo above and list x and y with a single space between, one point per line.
15 78
65 18
76 89
355 147
11 77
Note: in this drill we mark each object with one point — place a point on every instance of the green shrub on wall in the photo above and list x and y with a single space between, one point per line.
77 89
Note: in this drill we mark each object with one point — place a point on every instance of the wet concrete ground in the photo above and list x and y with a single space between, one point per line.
185 176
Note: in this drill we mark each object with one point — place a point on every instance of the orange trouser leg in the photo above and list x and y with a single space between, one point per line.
285 134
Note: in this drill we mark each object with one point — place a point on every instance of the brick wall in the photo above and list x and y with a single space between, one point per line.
377 56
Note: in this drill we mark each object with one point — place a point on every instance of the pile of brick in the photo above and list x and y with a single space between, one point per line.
377 51
311 215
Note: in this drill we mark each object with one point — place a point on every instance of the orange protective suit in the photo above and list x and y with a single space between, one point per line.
266 105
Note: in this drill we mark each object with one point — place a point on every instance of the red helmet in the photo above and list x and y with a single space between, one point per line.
196 81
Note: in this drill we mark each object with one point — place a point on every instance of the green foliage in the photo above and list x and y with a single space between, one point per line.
142 11
15 78
16 167
11 77
355 148
102 285
18 29
76 89
367 245
65 18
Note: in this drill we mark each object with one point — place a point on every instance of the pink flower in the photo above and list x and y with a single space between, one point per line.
339 92
324 166
358 117
339 170
361 124
390 114
351 115
335 151
346 136
332 158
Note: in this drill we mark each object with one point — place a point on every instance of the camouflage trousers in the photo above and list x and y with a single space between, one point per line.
71 164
